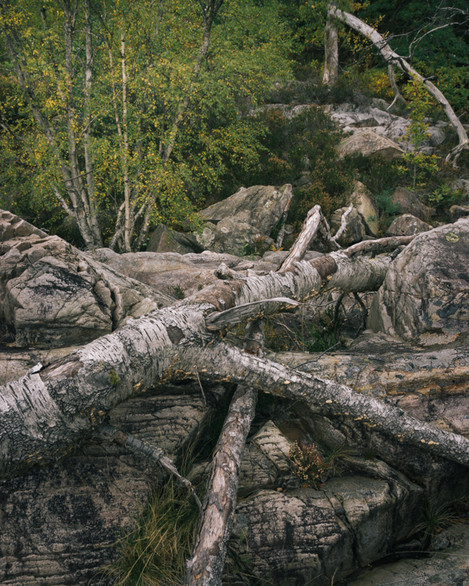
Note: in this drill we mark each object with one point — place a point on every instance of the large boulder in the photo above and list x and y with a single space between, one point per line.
163 239
244 222
369 143
425 296
408 202
355 229
364 204
52 294
170 273
407 225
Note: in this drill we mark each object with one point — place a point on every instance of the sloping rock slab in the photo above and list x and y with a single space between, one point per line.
308 536
245 219
449 567
61 524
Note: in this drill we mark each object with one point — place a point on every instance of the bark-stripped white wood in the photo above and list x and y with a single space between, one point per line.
44 415
331 52
250 311
314 225
393 58
205 568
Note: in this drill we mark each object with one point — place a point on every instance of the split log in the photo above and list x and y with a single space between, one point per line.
208 559
315 222
392 57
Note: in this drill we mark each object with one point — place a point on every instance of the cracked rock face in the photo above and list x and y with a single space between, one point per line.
425 296
61 524
244 219
52 294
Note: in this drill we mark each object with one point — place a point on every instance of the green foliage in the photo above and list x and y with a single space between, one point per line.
127 134
304 143
114 378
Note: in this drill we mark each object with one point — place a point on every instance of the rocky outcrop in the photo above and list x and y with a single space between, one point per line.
408 202
355 229
366 207
430 385
244 222
51 294
62 524
425 295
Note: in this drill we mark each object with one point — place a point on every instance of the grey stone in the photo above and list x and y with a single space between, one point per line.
369 143
425 295
244 221
408 202
52 294
355 230
163 239
407 225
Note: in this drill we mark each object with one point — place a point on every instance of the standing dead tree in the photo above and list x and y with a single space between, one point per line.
392 58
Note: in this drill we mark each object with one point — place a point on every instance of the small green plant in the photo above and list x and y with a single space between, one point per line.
387 209
114 378
178 292
434 520
418 165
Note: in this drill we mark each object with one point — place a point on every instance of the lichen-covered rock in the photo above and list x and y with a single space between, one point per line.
52 294
407 225
312 536
447 567
408 202
365 206
163 239
430 385
425 295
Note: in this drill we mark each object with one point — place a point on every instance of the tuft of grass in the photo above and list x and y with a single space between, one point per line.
155 552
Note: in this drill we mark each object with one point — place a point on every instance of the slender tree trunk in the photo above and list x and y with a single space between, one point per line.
125 152
209 13
331 52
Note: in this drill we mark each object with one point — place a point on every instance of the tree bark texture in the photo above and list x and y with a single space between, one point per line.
43 414
328 398
331 52
205 568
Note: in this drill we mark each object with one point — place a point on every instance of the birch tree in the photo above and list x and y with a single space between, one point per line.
392 58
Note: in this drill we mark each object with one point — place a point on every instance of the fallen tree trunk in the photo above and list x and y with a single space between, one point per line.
328 398
43 414
205 568
208 559
393 58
